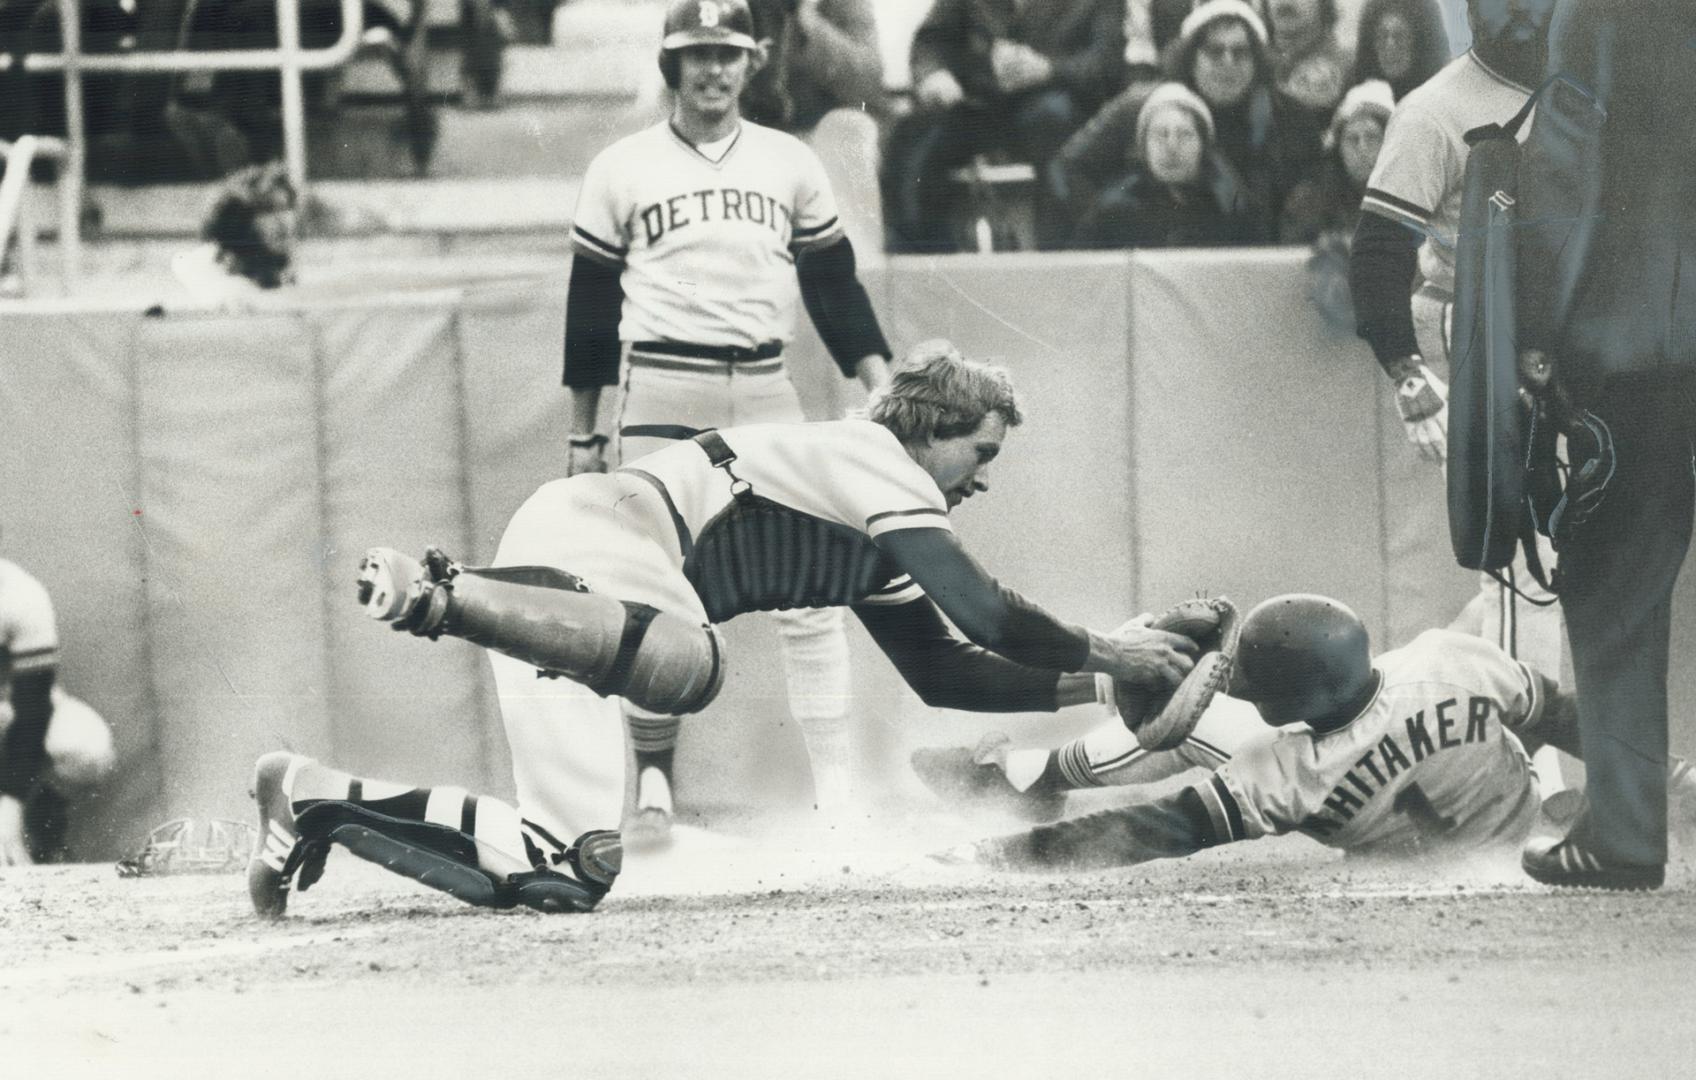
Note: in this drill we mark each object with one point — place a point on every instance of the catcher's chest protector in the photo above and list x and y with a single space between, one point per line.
1486 463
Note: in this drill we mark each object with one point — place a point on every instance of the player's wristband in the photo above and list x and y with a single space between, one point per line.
587 442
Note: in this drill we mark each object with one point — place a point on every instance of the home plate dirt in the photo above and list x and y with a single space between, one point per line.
806 953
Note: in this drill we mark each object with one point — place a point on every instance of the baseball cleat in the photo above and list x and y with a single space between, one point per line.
978 777
390 583
1565 863
280 854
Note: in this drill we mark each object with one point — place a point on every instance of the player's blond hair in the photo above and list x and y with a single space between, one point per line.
934 392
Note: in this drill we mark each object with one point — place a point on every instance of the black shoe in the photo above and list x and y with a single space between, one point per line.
1564 862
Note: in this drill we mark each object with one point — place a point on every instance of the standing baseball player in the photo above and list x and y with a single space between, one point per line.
52 745
1421 750
612 584
693 239
1408 222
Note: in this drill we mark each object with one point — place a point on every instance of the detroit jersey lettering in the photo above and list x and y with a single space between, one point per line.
1428 761
707 247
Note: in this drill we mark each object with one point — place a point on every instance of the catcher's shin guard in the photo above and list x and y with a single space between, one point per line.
446 859
657 661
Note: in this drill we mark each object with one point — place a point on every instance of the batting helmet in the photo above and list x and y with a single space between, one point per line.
704 22
1301 657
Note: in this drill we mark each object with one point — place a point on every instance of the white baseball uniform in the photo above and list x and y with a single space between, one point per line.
1429 761
656 532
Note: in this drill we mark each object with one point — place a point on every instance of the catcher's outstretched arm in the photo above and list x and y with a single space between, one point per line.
948 673
1167 828
991 616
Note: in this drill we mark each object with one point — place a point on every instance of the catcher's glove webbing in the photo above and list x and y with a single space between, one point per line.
1162 717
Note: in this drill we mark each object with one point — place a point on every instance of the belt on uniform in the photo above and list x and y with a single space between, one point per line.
724 354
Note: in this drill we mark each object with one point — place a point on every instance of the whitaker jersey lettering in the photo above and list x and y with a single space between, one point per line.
1430 760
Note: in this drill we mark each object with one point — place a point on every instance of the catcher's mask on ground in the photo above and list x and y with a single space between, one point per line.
704 22
1301 658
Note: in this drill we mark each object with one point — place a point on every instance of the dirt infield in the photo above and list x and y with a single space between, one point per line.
819 955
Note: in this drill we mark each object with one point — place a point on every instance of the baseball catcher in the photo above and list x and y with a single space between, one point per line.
612 584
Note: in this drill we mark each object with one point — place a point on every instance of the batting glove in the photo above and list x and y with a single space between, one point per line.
586 454
1422 399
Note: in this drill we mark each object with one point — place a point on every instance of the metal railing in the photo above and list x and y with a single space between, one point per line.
288 58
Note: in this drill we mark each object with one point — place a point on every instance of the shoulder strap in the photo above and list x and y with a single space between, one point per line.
1510 129
721 455
717 450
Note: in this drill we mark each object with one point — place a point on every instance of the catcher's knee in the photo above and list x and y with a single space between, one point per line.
658 661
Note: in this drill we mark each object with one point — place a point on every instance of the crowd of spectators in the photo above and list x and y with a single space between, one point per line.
1151 123
148 127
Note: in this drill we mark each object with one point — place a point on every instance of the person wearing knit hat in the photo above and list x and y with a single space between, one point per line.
1324 207
1222 54
1181 96
1357 128
1328 198
1177 193
1209 10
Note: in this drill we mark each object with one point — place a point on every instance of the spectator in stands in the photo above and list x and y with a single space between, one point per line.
1222 54
1151 26
822 81
249 239
1179 192
1309 63
1328 198
1402 42
1324 208
994 76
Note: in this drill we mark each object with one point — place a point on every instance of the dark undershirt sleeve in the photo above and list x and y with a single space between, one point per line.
1382 265
1168 828
839 306
948 673
991 617
593 303
23 750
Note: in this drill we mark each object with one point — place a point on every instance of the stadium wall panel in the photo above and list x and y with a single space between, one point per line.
196 490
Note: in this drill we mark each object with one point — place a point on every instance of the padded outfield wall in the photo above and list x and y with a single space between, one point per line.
196 489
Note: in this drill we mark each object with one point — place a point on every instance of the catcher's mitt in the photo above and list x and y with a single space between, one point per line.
1162 718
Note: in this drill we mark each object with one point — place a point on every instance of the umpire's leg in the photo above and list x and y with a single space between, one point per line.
1619 571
